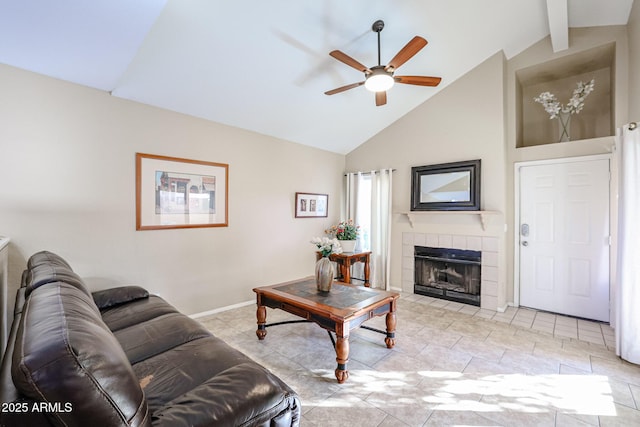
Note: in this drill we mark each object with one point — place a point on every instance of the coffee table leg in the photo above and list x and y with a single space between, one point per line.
262 320
342 357
390 340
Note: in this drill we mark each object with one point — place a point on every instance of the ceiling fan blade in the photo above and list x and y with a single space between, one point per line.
343 57
343 88
406 53
418 80
381 98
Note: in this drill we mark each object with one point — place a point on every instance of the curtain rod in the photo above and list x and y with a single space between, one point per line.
365 173
633 125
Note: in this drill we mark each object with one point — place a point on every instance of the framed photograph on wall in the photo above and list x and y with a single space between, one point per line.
312 205
180 193
446 187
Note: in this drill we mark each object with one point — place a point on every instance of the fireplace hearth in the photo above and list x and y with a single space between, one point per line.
450 274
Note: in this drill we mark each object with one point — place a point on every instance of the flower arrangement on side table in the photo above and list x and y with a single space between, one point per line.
345 230
563 112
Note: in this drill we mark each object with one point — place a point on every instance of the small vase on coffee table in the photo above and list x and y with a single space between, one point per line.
324 274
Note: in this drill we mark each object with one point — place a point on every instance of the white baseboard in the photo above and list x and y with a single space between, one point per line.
221 309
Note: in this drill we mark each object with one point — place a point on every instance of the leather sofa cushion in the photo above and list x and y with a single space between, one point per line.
157 335
43 274
115 296
48 258
223 401
171 374
64 353
124 315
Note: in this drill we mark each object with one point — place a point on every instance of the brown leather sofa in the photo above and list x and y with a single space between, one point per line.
122 357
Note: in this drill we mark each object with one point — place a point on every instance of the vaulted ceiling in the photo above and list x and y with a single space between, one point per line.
265 65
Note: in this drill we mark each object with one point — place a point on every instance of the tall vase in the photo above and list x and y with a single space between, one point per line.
324 274
564 127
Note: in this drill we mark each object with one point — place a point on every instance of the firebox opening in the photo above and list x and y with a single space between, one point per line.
450 274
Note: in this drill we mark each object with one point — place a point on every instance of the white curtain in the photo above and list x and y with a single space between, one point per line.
368 202
627 288
351 197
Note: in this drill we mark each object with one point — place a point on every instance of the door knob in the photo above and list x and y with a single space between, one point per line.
525 243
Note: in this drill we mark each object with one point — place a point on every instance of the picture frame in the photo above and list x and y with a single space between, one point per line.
446 187
173 192
311 205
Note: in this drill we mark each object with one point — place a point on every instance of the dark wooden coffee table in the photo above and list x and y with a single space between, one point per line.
344 308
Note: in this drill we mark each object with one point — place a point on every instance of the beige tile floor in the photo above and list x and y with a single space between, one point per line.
453 364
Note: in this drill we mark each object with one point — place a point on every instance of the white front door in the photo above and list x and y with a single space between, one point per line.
564 237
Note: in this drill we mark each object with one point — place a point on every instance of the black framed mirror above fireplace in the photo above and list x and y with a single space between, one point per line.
450 274
446 187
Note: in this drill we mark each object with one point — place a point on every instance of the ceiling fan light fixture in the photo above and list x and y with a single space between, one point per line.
379 80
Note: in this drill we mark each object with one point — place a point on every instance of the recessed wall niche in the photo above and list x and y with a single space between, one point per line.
560 77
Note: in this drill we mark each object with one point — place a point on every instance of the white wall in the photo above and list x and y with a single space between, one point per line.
67 167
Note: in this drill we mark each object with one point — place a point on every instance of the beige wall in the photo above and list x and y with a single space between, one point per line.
464 121
475 117
581 40
67 164
633 29
594 120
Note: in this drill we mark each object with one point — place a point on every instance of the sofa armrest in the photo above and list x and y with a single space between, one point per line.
246 394
115 296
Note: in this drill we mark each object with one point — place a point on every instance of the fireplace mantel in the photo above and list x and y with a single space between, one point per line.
484 216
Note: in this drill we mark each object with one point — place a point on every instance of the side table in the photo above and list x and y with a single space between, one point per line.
345 260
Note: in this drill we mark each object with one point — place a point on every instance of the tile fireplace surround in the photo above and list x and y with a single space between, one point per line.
489 246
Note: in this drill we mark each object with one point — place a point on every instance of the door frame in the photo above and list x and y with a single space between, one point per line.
516 214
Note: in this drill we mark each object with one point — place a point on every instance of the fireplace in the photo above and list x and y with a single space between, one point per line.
450 274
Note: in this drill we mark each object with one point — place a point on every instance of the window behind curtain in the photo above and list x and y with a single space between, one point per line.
364 213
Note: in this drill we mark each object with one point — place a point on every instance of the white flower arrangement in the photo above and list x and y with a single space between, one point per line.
575 104
327 246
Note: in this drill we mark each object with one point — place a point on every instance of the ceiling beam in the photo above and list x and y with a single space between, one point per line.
558 15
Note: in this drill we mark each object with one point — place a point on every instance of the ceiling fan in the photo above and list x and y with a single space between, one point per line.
380 78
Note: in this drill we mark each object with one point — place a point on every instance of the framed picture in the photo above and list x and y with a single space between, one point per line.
446 187
311 205
180 193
